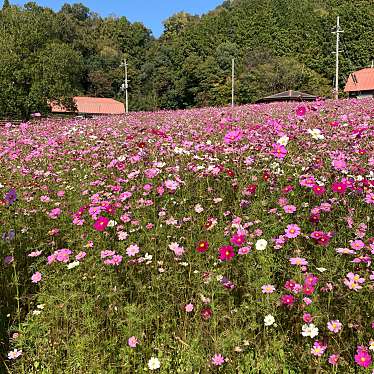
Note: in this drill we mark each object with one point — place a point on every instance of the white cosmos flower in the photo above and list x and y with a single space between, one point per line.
261 244
269 320
283 140
316 134
73 264
112 223
154 363
309 330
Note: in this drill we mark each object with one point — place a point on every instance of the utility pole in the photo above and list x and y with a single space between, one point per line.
337 32
125 85
232 80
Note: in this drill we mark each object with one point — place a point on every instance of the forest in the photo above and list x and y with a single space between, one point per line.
277 45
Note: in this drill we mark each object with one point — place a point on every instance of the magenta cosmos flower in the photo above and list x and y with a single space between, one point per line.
237 239
318 190
287 299
292 231
300 111
226 253
101 223
279 150
233 136
362 357
202 246
339 187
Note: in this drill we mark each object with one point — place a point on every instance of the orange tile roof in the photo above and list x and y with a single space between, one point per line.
92 105
364 81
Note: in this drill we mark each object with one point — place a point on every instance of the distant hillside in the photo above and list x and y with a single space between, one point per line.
277 45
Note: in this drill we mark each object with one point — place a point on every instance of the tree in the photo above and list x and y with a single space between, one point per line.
175 24
6 4
277 75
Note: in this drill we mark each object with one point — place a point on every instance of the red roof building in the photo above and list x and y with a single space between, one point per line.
360 84
92 105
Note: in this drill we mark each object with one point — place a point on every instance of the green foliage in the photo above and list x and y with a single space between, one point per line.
277 44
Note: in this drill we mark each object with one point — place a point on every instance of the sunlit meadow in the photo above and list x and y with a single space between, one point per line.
202 241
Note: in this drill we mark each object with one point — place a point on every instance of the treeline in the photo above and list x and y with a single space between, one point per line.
277 45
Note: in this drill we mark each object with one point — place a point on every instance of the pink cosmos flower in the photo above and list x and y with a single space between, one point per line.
311 280
339 164
292 231
357 244
307 300
334 326
54 213
267 288
122 235
36 277
133 342
101 223
189 308
218 360
307 318
80 255
107 253
307 181
226 253
62 255
318 349
61 193
35 254
12 355
355 277
369 198
333 359
298 261
171 185
132 250
177 249
244 250
289 208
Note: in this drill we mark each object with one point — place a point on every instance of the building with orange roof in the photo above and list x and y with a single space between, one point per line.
360 84
91 105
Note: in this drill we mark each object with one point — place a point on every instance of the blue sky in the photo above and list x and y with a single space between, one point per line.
150 12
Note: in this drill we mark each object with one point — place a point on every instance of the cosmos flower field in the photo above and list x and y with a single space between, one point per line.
201 241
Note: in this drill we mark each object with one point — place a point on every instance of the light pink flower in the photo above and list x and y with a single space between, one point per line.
292 231
132 250
334 326
36 277
189 308
133 341
267 288
218 360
